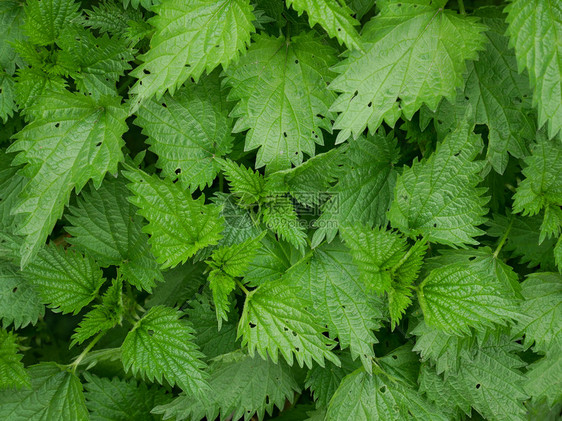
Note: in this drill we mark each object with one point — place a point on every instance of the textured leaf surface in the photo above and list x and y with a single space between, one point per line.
542 186
72 138
54 394
190 38
19 301
11 30
12 372
121 400
534 29
161 346
458 296
280 85
500 97
544 378
188 130
362 397
277 319
65 279
242 387
414 54
438 198
105 225
45 19
339 299
364 190
542 310
334 17
178 225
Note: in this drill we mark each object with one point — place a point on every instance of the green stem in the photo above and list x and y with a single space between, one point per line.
242 287
503 238
78 360
461 7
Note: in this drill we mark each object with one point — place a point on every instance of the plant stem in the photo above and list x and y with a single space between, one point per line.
242 287
503 238
461 7
78 360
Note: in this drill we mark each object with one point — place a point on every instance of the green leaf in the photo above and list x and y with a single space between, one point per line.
7 96
191 38
204 320
333 16
280 216
178 225
104 316
45 19
276 318
105 226
234 260
324 381
101 60
531 20
458 296
19 301
188 130
542 311
490 381
365 188
11 30
180 284
160 345
414 54
71 139
438 197
280 85
65 279
242 387
339 299
12 371
499 96
244 182
544 378
542 186
523 240
121 400
363 397
221 285
54 393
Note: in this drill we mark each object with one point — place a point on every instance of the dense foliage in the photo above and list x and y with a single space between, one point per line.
293 210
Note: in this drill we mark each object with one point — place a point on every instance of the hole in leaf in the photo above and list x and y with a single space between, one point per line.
394 357
478 386
15 290
57 125
252 325
382 389
146 72
296 62
150 332
164 105
285 134
178 171
98 144
370 104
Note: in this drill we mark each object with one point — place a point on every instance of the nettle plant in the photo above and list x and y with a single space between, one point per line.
301 210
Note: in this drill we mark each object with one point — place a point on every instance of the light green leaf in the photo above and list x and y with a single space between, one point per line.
499 95
364 397
54 394
190 38
65 279
221 285
71 139
542 311
242 387
160 346
365 188
414 54
121 400
188 130
542 186
104 316
12 371
280 216
339 299
234 260
333 16
438 197
544 378
248 185
456 297
178 225
106 227
281 88
276 318
531 21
